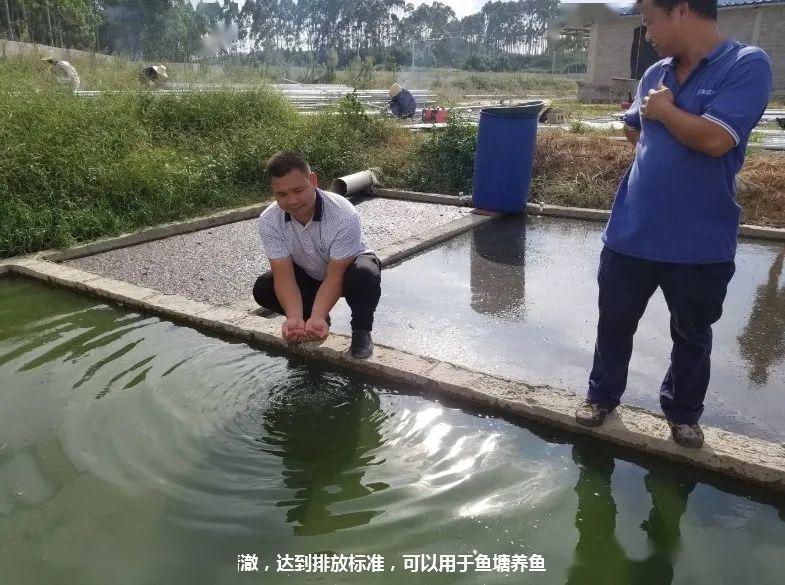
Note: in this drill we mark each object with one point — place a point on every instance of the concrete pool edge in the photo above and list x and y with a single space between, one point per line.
402 249
745 458
745 230
158 232
393 253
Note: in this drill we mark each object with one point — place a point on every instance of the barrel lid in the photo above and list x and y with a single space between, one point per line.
529 109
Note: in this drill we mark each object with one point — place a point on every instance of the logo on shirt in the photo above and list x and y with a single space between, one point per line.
706 92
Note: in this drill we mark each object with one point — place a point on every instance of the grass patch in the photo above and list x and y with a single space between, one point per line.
442 162
761 189
585 170
73 169
451 85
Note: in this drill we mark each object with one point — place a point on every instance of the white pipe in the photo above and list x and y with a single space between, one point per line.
354 183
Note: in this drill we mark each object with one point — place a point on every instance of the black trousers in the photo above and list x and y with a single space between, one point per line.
694 294
361 288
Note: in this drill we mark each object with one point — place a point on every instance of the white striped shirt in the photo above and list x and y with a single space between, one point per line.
333 233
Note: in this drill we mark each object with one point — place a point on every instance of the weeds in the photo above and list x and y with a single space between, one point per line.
75 168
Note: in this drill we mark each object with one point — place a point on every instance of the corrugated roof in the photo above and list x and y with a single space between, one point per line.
633 8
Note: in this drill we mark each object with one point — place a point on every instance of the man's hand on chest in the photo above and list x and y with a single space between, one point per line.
657 104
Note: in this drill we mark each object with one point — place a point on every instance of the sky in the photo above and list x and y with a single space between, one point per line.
462 7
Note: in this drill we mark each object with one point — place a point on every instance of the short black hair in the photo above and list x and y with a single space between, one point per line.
703 8
284 162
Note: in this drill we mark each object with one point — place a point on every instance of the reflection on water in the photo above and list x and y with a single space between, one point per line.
498 269
325 440
762 343
599 556
135 448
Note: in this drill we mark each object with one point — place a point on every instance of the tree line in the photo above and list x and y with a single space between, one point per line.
391 32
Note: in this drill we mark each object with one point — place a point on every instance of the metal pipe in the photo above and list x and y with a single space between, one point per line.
354 183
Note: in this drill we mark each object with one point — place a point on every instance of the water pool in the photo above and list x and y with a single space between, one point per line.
134 450
519 299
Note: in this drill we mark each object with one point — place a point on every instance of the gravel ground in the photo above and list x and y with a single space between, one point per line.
220 264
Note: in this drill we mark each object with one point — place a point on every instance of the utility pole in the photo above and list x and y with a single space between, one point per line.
8 20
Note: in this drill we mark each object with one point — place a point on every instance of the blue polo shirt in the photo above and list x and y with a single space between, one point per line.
675 204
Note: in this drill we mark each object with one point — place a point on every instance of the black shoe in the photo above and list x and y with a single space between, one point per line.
362 344
591 414
690 436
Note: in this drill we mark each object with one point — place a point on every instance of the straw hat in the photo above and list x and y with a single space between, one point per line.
161 70
395 89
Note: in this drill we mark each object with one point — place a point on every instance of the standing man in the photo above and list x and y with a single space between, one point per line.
318 253
675 219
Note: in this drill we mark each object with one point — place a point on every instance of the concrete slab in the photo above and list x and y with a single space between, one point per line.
405 248
59 274
763 233
220 264
522 304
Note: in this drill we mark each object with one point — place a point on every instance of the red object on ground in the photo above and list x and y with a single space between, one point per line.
626 105
435 115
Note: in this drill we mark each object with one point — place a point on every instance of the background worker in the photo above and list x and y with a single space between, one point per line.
155 75
402 103
64 72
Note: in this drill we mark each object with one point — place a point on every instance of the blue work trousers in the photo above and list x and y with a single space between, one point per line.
694 294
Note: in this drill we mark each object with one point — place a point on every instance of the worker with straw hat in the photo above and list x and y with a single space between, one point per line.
155 75
64 72
402 103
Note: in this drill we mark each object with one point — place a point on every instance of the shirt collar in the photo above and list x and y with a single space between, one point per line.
317 212
722 49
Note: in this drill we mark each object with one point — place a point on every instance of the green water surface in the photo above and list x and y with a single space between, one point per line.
137 451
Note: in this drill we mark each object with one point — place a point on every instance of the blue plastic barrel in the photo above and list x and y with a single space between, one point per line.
503 160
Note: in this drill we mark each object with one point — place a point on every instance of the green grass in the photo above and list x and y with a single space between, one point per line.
452 85
73 169
441 162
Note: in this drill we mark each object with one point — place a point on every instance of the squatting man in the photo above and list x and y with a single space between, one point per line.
318 253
